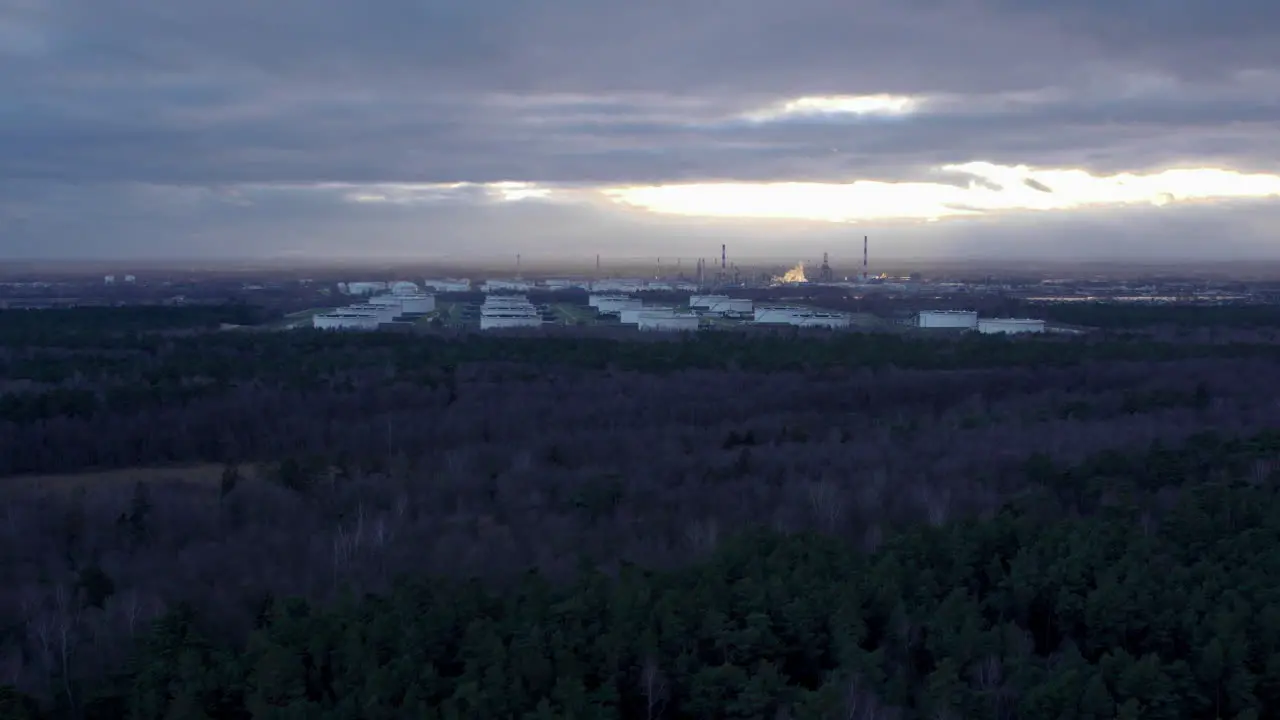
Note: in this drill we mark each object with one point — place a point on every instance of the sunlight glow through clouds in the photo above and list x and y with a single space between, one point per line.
414 194
1002 189
823 105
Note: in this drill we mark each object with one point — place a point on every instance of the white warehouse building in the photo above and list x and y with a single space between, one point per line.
992 326
966 319
669 323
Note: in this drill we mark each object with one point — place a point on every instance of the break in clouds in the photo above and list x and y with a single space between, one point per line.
239 128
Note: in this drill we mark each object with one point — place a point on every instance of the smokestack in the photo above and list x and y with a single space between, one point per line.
864 253
517 266
722 257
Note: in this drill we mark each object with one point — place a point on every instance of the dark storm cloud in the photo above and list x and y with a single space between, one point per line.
114 96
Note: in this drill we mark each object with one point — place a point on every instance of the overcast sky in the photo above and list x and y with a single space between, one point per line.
241 128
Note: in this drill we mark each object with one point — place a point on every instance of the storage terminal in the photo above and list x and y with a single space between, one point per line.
616 300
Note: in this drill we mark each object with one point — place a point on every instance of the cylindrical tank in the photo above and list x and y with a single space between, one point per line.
947 319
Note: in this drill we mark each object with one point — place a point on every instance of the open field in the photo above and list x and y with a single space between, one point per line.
571 314
301 318
197 475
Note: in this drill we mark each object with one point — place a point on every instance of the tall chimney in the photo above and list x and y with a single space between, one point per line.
722 257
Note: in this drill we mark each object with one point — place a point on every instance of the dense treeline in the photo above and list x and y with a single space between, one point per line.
1133 316
341 463
97 324
1131 586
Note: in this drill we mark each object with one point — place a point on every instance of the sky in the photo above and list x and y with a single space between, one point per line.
565 128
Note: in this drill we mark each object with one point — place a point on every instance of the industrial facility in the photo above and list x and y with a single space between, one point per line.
349 319
1010 326
799 317
508 311
819 319
721 305
960 319
631 316
614 305
376 311
447 285
362 288
969 320
499 286
668 323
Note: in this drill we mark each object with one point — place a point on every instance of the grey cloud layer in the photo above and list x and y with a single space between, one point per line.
401 90
218 93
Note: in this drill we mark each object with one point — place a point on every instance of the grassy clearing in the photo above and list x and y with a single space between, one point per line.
207 475
572 314
297 319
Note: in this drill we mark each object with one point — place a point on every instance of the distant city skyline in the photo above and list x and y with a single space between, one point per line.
409 129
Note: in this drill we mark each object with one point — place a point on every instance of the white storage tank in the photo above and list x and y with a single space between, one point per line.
729 306
706 301
617 285
1011 326
776 314
345 321
594 299
820 319
613 306
669 323
490 286
447 285
502 321
404 287
966 319
420 304
366 287
384 313
631 316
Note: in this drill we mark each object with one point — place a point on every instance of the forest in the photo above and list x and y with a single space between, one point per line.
219 524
